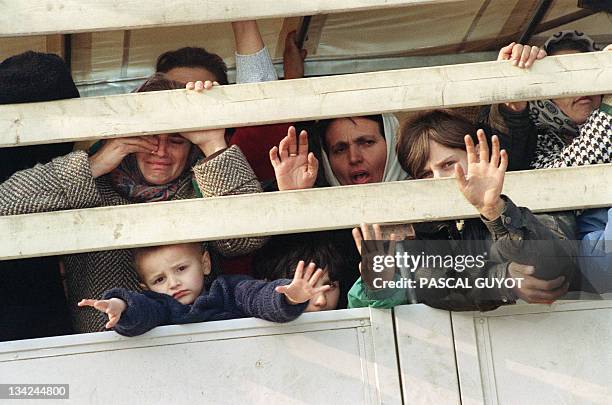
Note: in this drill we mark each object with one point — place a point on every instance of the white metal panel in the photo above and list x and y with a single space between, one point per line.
317 359
303 99
426 355
161 223
536 354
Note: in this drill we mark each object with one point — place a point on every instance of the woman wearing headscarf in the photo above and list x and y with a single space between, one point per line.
125 171
557 132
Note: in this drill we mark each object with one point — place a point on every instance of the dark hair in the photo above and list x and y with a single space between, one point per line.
33 76
332 251
442 126
567 45
192 57
322 126
27 78
159 82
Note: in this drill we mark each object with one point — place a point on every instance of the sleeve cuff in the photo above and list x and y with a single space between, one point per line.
509 222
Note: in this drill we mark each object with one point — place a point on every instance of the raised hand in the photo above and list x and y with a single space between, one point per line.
363 233
522 56
211 140
113 308
534 290
302 287
294 167
113 151
485 178
293 58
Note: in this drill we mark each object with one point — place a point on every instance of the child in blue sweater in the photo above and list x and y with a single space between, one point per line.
172 278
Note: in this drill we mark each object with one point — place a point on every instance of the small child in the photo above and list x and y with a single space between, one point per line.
173 279
333 251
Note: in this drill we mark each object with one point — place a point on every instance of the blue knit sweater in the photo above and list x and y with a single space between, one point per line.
229 297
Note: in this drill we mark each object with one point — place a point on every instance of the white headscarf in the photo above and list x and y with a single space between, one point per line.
393 170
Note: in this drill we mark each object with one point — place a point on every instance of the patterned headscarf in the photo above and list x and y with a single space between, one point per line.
544 113
128 180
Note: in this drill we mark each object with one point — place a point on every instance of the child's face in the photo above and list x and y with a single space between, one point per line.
175 270
325 301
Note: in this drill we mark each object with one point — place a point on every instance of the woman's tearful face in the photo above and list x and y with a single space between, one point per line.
167 162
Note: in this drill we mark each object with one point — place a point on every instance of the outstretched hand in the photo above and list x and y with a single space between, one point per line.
363 233
485 178
113 308
211 140
294 167
302 287
522 56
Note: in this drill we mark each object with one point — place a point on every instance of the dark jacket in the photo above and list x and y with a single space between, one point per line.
516 236
229 297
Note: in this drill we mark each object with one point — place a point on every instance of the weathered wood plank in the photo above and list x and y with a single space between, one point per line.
106 228
303 99
34 17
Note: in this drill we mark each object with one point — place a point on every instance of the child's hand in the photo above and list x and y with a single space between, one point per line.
113 308
294 167
485 178
302 288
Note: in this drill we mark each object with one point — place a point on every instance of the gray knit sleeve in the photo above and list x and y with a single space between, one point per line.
255 68
64 183
229 173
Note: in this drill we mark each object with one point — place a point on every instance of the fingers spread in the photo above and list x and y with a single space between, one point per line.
315 277
274 159
303 143
365 231
471 151
377 232
483 146
358 238
309 270
299 270
460 176
495 151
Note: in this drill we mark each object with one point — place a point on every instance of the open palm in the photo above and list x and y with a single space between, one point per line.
483 184
294 167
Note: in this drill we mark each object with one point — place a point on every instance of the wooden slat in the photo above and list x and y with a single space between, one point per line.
303 99
34 17
106 228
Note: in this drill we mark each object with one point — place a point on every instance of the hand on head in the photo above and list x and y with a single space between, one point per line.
484 181
294 167
113 308
303 286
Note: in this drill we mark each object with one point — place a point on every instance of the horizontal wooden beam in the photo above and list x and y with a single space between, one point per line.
36 17
303 99
104 228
